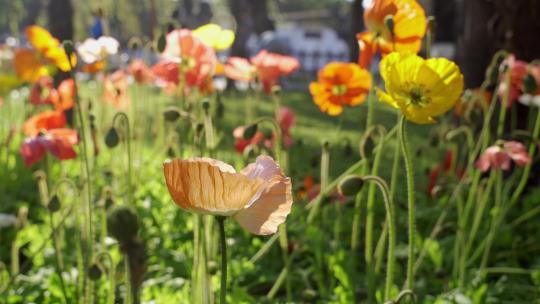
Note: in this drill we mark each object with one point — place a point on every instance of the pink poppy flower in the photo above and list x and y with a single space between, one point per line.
286 119
270 67
501 157
58 142
198 61
140 72
240 69
115 90
518 73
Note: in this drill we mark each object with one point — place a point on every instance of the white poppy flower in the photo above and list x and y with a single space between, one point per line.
92 50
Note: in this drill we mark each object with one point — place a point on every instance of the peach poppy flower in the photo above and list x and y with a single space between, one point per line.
115 90
518 71
140 72
500 157
197 60
259 197
409 21
64 98
94 67
270 67
42 91
30 65
240 69
59 142
340 84
46 120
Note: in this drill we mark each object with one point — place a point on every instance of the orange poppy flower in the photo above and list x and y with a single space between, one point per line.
46 120
198 61
259 197
30 65
59 142
94 67
409 22
115 90
340 84
64 99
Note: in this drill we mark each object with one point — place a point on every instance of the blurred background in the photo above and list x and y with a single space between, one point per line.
468 31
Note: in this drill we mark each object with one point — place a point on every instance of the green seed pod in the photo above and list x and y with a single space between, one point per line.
389 22
276 90
161 43
171 114
529 84
122 223
199 128
111 138
54 204
220 107
109 202
250 131
170 152
367 144
94 272
212 267
68 47
205 103
325 144
350 185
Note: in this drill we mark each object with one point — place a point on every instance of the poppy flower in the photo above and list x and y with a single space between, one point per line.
340 84
501 156
242 143
311 190
197 60
30 65
421 89
259 197
286 120
240 69
214 36
64 98
445 168
531 86
270 67
518 71
58 142
42 91
409 27
140 72
115 90
46 120
93 50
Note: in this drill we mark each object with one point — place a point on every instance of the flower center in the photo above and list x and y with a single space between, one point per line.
339 90
417 97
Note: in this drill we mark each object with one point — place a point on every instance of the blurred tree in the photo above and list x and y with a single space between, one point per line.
60 13
357 25
252 16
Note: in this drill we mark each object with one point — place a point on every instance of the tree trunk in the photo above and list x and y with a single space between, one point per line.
251 17
61 19
357 25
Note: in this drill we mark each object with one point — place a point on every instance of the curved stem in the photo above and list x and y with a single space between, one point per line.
111 273
389 205
410 201
128 140
223 244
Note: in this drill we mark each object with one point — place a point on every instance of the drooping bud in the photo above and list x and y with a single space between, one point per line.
111 138
205 104
529 84
350 185
68 47
220 107
325 145
367 144
171 114
250 131
94 272
276 90
122 223
161 43
54 204
389 22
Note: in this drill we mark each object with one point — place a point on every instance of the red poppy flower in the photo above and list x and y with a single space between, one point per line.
442 169
270 67
64 99
241 143
46 120
42 91
59 142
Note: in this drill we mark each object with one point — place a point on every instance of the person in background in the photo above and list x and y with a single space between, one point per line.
97 29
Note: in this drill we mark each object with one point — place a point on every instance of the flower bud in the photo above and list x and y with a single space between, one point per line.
325 144
220 107
171 114
367 144
170 152
276 90
350 185
68 47
389 22
94 272
205 104
122 223
161 43
212 267
54 204
199 128
529 84
250 131
111 138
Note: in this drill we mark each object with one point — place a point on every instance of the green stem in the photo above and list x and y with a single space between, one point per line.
505 102
223 244
58 257
495 221
128 141
127 279
111 274
410 201
388 203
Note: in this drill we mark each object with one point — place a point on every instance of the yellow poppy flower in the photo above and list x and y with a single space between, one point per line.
214 36
30 65
421 89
